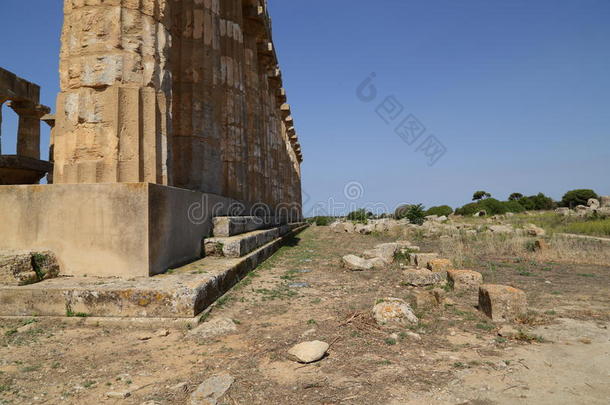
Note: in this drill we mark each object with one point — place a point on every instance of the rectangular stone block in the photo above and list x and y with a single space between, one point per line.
502 303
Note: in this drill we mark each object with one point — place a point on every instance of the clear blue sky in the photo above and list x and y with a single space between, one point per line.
517 91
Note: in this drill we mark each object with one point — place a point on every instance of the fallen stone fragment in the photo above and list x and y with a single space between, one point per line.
413 335
118 395
464 280
534 230
145 337
353 262
215 327
421 277
393 310
540 245
162 333
308 352
439 265
501 229
421 260
508 332
425 299
501 302
210 391
593 203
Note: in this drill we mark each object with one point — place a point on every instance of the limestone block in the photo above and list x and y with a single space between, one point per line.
501 302
421 260
464 280
393 310
421 277
439 265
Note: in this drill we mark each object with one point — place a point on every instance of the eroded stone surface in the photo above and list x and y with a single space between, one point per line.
501 302
422 277
464 280
393 310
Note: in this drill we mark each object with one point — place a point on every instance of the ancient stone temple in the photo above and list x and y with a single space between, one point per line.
23 97
175 92
171 113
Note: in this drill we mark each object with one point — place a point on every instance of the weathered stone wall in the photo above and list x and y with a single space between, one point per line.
179 92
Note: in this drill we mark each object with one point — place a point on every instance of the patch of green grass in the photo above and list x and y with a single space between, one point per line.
500 339
4 387
588 275
10 332
312 322
88 384
390 341
595 227
485 326
282 292
529 338
459 364
71 314
29 369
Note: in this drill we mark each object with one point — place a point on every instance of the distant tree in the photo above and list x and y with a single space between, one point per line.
577 197
515 197
537 202
441 210
416 214
360 215
479 195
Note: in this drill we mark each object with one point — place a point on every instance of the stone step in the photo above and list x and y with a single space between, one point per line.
241 245
181 293
225 227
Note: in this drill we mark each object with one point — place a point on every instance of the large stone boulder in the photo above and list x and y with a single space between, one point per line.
593 203
384 251
604 201
421 277
464 280
27 267
393 310
502 303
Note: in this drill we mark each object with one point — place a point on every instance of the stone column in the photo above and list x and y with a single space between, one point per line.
114 109
28 133
234 143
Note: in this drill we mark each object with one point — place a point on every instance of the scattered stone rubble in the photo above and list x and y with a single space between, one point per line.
499 302
599 207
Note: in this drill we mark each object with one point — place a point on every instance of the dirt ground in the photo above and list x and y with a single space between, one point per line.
562 358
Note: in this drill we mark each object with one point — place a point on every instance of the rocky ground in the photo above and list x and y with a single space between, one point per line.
453 355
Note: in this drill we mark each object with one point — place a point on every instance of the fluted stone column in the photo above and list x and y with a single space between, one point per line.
28 132
234 146
113 112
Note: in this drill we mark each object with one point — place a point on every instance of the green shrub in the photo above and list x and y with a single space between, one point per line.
441 210
360 215
515 197
322 221
513 206
537 202
577 197
416 214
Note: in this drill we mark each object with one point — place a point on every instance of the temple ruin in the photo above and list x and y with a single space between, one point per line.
172 123
23 97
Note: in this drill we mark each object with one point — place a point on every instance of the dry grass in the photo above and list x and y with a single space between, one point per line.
466 250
